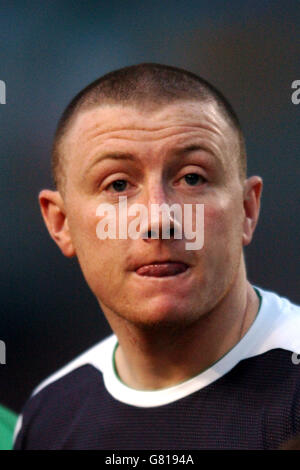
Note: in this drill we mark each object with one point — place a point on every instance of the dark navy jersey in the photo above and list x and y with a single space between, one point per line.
249 399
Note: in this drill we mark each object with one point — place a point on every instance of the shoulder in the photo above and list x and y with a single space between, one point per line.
96 356
279 320
62 392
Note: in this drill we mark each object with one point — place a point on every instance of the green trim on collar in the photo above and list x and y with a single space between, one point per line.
114 361
260 299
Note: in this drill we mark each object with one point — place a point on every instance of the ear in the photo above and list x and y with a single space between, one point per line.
252 194
54 215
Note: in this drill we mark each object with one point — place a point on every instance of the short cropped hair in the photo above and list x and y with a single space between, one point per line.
147 84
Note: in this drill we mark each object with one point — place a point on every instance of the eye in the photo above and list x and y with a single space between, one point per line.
193 178
118 185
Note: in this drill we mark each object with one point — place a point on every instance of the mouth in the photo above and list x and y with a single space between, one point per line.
162 269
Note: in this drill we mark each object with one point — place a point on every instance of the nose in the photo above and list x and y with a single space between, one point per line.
161 222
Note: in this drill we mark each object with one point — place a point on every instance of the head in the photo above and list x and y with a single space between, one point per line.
149 86
154 134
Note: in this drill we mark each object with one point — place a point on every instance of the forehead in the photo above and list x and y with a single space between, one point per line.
113 126
110 118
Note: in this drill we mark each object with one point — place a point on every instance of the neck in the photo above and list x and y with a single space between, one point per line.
164 355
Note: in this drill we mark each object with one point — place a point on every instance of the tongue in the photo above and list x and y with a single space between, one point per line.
160 270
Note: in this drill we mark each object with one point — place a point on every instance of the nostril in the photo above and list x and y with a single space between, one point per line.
151 234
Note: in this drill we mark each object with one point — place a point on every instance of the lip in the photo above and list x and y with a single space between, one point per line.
160 269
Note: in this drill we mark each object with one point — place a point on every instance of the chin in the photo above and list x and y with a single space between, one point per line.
159 313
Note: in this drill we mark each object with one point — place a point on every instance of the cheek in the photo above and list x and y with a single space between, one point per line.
222 244
83 228
222 222
100 260
89 249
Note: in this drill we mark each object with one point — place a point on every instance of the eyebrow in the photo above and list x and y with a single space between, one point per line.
128 156
200 147
109 156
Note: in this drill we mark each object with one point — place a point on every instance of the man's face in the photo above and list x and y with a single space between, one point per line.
150 155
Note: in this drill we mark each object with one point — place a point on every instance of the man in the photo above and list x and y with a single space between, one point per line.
199 357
